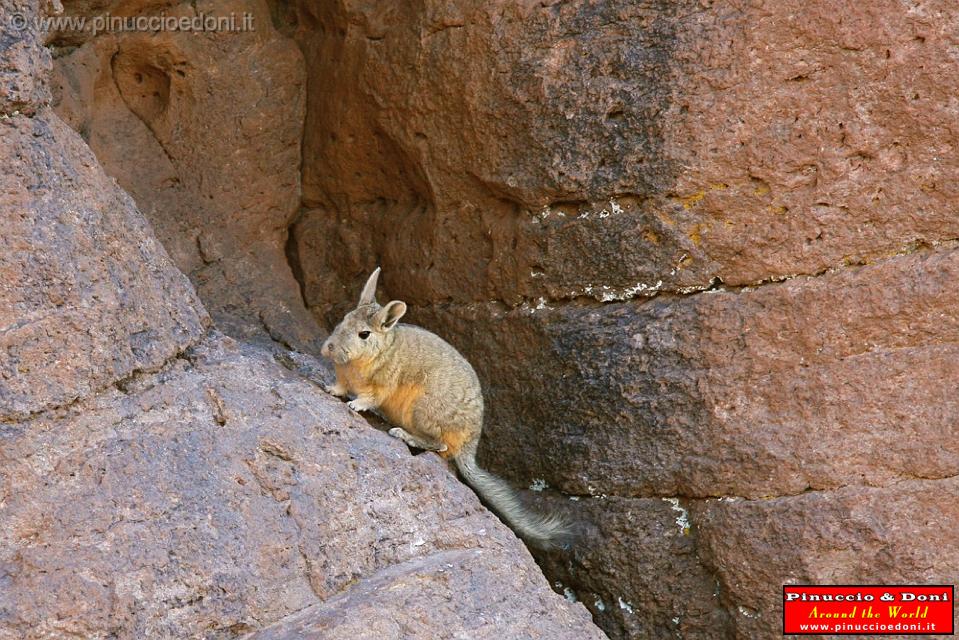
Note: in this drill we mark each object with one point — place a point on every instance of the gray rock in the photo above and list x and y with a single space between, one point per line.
87 294
225 493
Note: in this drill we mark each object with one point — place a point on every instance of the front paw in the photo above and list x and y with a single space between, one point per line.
359 405
335 390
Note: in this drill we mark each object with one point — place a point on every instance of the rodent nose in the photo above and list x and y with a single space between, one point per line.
325 349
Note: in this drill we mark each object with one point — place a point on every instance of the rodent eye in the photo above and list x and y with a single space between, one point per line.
364 335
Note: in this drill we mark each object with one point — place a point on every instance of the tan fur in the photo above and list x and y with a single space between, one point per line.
397 405
454 442
417 381
354 375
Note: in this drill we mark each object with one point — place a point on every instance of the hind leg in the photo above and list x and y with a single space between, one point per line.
420 428
420 442
449 424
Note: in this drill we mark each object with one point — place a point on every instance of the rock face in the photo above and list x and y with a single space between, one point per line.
876 535
696 252
800 386
444 174
702 256
24 62
82 305
208 149
615 150
87 294
161 480
224 493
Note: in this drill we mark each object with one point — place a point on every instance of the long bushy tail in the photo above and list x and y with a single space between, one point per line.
543 532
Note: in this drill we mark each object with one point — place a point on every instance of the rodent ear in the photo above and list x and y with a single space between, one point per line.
387 317
369 289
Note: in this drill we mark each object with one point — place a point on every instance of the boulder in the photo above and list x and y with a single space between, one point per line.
225 493
87 294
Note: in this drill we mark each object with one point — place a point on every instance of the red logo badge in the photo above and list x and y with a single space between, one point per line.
869 610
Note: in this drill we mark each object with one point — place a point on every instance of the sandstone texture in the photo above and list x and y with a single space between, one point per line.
203 129
703 256
740 393
619 149
900 533
24 62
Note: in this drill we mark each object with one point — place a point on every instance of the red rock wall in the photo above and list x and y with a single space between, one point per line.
702 256
203 130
